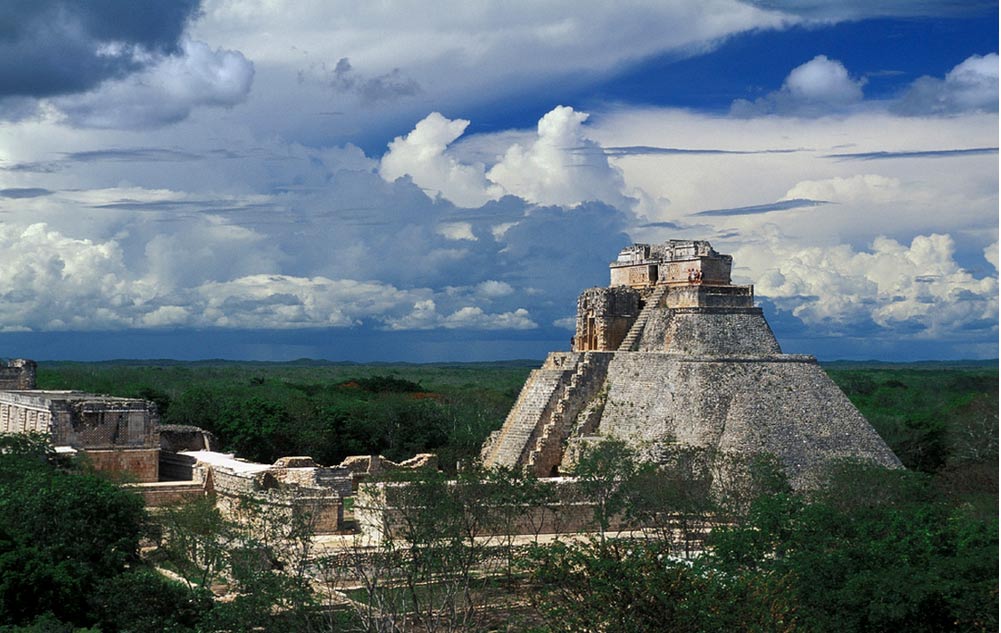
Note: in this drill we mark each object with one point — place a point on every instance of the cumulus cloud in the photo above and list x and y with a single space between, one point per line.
851 189
560 165
166 92
425 316
344 250
914 290
818 87
421 155
284 302
969 87
54 282
991 254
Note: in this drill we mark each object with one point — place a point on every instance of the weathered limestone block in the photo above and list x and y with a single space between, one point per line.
120 435
17 373
784 405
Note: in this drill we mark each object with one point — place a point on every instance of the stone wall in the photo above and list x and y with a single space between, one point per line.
21 415
182 437
17 373
635 276
291 489
604 316
167 493
781 404
142 464
709 296
710 332
380 510
120 434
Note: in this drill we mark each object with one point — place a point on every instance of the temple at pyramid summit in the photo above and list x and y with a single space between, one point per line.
672 352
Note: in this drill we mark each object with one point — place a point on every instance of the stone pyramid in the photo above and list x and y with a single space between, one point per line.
673 353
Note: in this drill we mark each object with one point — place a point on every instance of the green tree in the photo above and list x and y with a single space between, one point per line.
61 533
603 473
629 586
873 550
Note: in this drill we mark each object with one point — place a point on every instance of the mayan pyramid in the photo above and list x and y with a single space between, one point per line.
673 353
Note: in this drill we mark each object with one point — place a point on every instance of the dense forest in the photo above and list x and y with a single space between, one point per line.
325 410
870 550
938 418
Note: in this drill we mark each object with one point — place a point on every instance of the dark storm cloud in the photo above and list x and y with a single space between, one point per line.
783 205
344 78
55 47
935 153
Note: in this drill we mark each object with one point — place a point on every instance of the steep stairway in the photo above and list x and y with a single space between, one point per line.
634 333
585 382
534 405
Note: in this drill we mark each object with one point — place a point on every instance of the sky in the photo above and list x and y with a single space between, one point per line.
283 179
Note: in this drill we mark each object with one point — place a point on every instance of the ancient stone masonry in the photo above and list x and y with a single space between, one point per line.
171 464
685 358
17 373
118 434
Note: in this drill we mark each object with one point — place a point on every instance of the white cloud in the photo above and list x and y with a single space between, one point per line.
424 315
562 166
475 48
971 86
284 301
54 282
421 155
917 289
818 87
474 318
493 289
864 162
857 188
991 254
559 165
166 92
457 231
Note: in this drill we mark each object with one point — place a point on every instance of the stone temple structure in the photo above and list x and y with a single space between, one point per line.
119 435
673 353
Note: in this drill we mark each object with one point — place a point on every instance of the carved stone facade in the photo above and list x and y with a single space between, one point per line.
674 261
673 353
604 316
17 373
119 435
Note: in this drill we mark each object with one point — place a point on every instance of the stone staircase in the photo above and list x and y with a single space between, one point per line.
634 333
535 403
551 434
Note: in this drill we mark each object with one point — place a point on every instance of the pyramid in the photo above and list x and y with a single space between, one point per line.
672 353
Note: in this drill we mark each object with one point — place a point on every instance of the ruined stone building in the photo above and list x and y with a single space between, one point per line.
119 435
169 464
673 353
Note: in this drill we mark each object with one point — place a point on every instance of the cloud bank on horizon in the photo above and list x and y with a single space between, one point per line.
267 167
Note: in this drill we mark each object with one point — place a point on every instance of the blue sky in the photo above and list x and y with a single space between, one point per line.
273 180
